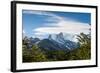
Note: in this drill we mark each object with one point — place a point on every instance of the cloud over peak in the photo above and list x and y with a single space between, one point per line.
59 24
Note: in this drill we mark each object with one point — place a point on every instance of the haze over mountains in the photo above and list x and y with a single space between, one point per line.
51 43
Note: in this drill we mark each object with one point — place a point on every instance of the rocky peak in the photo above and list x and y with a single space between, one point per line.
60 37
50 37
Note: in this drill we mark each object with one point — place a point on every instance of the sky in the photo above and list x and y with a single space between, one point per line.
42 23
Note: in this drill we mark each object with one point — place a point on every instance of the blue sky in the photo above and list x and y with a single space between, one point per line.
42 23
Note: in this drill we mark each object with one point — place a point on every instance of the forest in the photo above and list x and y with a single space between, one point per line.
36 54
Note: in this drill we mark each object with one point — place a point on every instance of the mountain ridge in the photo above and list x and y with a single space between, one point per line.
59 43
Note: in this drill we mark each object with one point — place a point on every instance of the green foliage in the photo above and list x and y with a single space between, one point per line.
55 55
36 54
33 55
27 57
84 39
85 47
84 51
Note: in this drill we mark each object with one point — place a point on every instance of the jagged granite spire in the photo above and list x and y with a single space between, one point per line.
60 37
50 37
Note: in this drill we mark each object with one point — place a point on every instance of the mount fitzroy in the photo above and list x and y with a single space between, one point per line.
57 43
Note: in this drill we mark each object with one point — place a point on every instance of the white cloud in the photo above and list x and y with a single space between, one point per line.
51 15
72 27
67 25
39 35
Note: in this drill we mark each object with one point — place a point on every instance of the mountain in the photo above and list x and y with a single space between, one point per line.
50 37
57 43
70 44
29 42
34 40
60 38
51 45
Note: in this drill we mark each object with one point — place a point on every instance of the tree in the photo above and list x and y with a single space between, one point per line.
38 54
84 39
84 51
56 55
33 55
27 57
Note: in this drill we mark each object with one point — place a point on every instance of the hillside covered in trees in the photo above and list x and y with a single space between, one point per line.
36 50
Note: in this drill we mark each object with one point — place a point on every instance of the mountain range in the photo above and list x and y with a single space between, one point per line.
50 43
